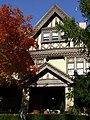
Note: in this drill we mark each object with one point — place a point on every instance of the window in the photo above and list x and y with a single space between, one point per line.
80 65
46 36
49 36
70 66
87 66
80 71
54 35
77 65
70 60
71 72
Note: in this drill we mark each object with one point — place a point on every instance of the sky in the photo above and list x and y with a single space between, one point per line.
37 8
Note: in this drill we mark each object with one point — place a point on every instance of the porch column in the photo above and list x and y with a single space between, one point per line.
68 101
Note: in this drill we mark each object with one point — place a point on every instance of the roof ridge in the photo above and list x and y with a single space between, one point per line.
48 12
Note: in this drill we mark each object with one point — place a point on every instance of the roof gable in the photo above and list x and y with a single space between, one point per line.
47 67
54 11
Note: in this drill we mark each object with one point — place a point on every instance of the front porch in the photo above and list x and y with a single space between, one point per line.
42 98
50 93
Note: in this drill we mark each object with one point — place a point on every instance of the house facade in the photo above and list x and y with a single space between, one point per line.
57 61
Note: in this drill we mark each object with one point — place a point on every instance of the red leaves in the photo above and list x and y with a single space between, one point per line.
28 18
35 68
15 41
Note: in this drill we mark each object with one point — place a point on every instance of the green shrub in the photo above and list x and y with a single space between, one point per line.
44 117
75 117
35 117
8 117
56 117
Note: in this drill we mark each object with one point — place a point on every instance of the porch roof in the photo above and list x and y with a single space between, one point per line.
62 78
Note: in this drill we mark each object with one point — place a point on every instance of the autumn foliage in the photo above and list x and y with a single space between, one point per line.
15 41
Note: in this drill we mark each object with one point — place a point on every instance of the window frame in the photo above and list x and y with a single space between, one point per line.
47 38
70 61
70 69
51 37
55 37
80 67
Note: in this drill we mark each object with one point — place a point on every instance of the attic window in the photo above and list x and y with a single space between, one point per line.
54 35
46 36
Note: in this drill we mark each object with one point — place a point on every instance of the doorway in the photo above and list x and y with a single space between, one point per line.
46 98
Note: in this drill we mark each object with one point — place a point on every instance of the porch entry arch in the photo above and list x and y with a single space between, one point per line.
49 93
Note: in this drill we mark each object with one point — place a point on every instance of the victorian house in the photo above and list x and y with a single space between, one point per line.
57 62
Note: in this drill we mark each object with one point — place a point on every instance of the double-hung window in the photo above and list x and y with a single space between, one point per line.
54 35
70 66
46 36
80 66
51 36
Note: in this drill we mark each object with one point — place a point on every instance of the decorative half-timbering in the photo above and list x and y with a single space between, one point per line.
57 60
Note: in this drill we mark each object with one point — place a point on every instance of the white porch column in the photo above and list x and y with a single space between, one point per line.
68 101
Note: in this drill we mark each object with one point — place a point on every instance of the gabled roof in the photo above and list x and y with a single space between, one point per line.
47 67
54 11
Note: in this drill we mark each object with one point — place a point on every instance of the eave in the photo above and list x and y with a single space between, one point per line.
64 52
46 19
62 78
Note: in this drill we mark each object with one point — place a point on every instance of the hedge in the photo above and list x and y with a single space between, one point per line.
56 117
44 117
9 117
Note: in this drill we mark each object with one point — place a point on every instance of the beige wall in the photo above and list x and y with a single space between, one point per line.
59 64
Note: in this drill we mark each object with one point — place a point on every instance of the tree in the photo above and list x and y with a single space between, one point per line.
82 92
72 32
84 6
15 43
